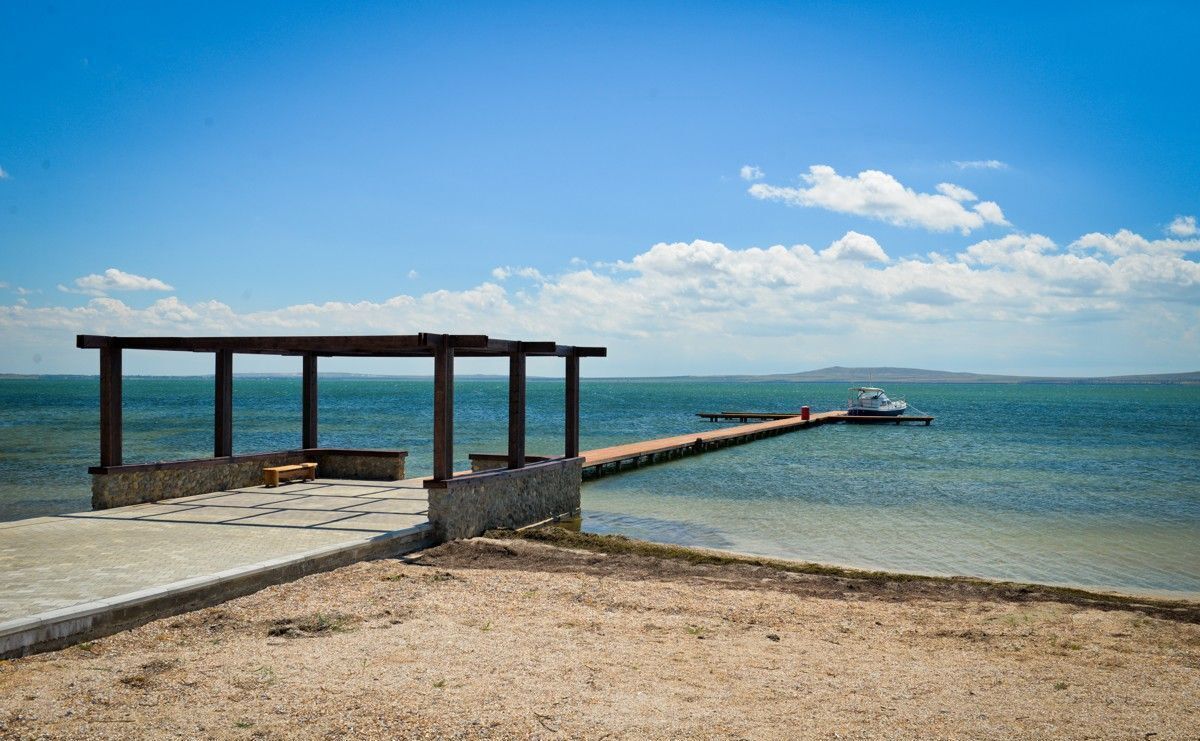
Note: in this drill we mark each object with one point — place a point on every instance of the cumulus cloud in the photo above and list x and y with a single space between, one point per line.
778 304
752 172
856 247
878 195
1183 226
980 165
1125 242
114 280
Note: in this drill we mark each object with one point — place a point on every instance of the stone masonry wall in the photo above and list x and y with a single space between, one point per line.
467 506
345 464
138 485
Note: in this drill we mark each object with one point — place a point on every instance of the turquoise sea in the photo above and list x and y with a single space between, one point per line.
1096 486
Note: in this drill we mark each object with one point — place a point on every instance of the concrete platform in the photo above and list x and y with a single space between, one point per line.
72 577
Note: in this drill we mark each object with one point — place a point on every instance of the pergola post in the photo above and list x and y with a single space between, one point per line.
516 408
443 409
223 404
309 402
110 405
571 447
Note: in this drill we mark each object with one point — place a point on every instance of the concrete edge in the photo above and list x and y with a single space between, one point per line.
48 631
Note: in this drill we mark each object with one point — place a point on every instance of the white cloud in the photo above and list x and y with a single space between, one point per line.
507 272
956 192
3 175
413 275
752 172
1183 226
1126 242
114 280
980 165
878 195
856 247
663 309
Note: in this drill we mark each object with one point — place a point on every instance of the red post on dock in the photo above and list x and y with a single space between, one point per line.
803 412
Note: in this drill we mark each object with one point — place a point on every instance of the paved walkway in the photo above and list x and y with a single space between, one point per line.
68 566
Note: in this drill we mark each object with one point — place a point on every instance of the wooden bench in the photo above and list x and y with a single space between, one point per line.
272 475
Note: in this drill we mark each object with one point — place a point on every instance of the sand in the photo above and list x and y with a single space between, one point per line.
511 638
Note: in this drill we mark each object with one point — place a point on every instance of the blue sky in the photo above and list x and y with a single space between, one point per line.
300 168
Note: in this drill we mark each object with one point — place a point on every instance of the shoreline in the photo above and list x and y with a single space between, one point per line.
621 544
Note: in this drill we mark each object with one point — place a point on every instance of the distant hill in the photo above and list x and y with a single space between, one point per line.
921 375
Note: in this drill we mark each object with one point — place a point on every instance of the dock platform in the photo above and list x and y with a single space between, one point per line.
616 458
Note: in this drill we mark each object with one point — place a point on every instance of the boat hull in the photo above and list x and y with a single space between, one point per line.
893 412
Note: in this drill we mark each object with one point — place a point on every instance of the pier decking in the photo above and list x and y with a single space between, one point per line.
603 461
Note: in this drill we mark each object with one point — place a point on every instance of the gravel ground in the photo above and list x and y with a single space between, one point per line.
511 638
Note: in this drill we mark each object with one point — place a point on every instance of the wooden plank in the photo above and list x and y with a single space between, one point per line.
443 410
571 447
683 443
516 408
223 404
110 406
309 403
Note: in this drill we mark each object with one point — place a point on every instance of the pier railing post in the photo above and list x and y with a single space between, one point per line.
443 409
223 404
110 405
309 402
571 447
516 407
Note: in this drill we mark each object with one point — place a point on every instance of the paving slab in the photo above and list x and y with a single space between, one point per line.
322 502
392 506
246 499
374 521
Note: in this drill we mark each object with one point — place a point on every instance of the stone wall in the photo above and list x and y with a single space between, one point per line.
373 465
117 486
489 461
466 506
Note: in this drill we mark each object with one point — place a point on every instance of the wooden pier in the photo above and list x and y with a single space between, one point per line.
617 458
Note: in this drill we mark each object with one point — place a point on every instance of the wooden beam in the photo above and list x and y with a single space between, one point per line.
110 406
443 409
223 405
571 447
516 408
418 345
309 402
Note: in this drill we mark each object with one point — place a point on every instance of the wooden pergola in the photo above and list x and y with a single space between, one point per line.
443 348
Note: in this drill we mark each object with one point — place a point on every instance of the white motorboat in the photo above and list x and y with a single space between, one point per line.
868 401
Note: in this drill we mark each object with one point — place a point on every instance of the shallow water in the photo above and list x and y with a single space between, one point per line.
1086 485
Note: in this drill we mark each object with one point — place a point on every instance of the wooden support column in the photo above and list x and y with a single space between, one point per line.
572 407
516 408
443 409
223 405
110 406
309 402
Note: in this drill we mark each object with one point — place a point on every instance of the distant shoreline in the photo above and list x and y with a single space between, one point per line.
835 374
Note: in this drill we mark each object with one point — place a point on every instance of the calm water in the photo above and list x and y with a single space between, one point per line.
1087 485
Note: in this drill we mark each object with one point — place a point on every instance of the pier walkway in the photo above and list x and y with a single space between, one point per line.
603 461
616 458
65 577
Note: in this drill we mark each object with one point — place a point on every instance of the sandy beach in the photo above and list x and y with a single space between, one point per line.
590 637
